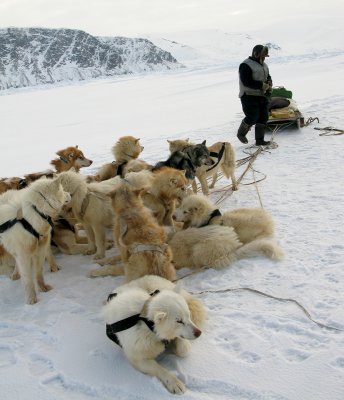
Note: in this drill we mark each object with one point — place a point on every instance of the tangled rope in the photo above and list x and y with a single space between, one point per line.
330 131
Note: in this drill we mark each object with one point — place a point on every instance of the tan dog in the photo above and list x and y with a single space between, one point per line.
249 224
168 185
140 240
25 226
71 157
223 155
216 246
91 207
127 148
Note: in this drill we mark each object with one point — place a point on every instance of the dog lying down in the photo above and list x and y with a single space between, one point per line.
249 223
146 315
216 246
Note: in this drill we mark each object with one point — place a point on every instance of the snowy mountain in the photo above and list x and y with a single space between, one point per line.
34 56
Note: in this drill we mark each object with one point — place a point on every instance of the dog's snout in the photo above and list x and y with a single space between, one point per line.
197 332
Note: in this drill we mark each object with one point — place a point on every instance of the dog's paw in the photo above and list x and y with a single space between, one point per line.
109 244
89 252
54 268
15 276
32 299
181 347
174 385
45 287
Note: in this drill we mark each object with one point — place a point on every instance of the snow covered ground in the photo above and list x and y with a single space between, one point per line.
252 347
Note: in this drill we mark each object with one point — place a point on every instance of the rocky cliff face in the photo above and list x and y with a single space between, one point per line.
36 56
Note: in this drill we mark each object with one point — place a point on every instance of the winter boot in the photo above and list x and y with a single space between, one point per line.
242 131
259 134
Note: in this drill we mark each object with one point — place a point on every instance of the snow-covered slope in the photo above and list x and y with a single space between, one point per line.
35 56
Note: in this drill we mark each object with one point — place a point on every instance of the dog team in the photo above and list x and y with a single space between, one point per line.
159 225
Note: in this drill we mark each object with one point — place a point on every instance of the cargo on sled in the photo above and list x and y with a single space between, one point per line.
283 110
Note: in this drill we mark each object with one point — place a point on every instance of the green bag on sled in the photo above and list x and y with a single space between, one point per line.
281 91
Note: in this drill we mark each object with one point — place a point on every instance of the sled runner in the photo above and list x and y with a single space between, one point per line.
283 110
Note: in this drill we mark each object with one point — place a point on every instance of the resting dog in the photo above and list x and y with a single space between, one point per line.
25 229
139 238
125 149
249 223
216 246
144 315
223 158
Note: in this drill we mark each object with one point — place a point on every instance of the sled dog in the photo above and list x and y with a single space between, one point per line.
25 229
249 224
189 158
167 186
216 246
92 208
139 238
145 316
71 157
125 149
223 158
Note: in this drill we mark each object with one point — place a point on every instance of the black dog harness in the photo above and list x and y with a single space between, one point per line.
218 156
215 213
26 225
127 323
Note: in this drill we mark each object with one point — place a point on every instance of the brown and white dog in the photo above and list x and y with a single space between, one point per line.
223 155
71 157
125 149
139 238
249 224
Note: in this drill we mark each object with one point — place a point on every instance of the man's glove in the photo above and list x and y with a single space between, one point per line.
266 87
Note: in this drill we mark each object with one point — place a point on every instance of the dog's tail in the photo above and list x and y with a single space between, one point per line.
259 247
229 162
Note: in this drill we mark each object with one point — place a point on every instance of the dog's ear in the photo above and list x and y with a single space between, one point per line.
76 146
169 141
183 171
137 140
60 153
204 142
159 316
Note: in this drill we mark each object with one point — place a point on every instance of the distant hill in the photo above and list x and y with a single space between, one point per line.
35 56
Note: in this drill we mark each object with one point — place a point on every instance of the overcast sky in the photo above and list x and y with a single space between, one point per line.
137 17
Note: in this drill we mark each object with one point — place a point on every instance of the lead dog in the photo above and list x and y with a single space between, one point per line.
216 246
71 157
223 158
139 238
25 230
249 223
153 312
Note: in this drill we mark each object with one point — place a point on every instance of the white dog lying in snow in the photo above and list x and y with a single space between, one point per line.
145 314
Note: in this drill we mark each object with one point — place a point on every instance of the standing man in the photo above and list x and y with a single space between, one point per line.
255 88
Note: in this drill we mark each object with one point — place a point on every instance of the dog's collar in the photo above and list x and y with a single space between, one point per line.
44 216
64 159
127 323
215 213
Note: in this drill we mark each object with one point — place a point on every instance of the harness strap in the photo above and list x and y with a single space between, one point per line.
66 224
44 216
127 323
26 225
218 156
64 159
215 213
138 248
